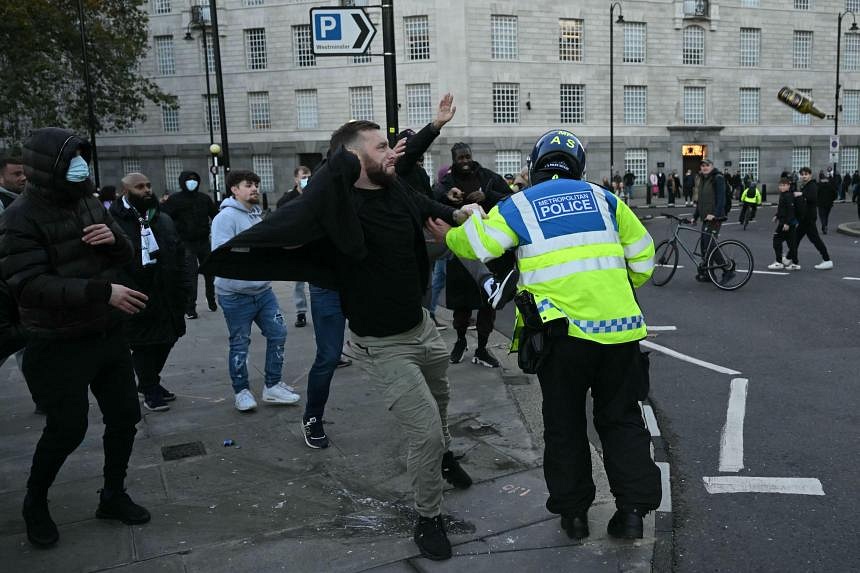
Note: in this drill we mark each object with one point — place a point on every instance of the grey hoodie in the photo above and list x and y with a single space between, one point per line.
232 219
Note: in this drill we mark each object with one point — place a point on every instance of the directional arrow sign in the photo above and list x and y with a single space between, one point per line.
341 31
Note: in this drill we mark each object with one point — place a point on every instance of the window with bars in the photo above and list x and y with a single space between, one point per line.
749 106
851 107
131 165
417 32
635 105
303 55
636 162
798 118
361 103
429 168
307 110
264 169
503 34
802 53
750 3
169 119
849 158
506 103
216 117
572 99
851 59
258 107
208 51
164 60
161 6
255 48
802 4
570 40
508 161
694 46
635 38
172 169
694 105
252 3
853 5
750 47
748 161
419 105
800 157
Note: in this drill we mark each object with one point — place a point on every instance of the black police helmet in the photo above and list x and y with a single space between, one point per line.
557 151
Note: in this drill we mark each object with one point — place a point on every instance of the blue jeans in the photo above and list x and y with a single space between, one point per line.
240 310
437 283
329 323
299 298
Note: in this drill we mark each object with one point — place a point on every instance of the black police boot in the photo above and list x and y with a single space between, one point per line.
626 524
431 539
118 505
454 473
575 524
41 529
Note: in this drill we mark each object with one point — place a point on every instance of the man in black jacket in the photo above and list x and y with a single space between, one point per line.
192 213
59 253
158 271
808 187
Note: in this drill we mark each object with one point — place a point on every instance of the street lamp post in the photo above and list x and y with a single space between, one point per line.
91 114
853 28
612 84
198 21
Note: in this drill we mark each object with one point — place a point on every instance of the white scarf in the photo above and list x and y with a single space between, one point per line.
148 244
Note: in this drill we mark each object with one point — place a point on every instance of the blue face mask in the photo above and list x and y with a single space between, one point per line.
78 170
191 185
303 182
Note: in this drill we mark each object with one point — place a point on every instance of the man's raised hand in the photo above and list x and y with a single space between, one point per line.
445 112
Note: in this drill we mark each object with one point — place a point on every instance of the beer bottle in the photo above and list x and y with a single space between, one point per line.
799 102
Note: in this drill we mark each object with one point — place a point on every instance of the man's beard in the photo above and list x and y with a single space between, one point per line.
461 170
142 203
377 174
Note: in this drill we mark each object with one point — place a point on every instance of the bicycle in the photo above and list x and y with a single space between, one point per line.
728 264
747 215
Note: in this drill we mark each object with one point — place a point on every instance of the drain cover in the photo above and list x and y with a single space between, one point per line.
179 451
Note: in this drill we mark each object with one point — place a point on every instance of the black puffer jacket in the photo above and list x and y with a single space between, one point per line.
62 285
192 211
163 320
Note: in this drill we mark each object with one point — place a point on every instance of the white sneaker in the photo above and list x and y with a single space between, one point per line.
245 401
280 394
776 265
824 265
792 267
786 261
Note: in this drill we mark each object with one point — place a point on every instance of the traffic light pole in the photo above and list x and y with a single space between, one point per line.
219 85
390 68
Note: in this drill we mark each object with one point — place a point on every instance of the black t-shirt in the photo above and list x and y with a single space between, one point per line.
382 293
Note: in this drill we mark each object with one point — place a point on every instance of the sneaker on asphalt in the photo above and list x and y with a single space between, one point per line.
453 472
118 505
776 266
786 261
824 265
626 524
504 292
154 401
792 266
439 325
575 525
191 315
166 394
245 401
484 358
343 362
431 539
41 529
280 394
301 320
458 350
314 432
213 306
472 324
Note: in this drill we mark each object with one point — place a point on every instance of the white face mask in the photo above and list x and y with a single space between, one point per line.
191 184
303 182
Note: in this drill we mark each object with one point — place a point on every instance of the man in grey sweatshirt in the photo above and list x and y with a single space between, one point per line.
247 302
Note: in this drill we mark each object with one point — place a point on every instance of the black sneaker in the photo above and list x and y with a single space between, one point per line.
576 525
191 315
314 433
484 358
118 505
166 394
154 401
454 473
504 292
431 539
213 306
343 362
626 524
458 350
41 529
301 320
439 325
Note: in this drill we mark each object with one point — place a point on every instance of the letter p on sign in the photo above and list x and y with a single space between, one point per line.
328 26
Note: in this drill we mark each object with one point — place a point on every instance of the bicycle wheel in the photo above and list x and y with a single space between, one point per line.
730 265
665 262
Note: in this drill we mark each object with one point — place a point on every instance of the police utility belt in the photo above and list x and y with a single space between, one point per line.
535 335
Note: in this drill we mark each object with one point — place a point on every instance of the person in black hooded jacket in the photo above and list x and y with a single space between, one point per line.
192 212
59 253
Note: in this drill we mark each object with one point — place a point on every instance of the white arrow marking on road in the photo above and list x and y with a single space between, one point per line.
732 439
738 484
662 328
690 359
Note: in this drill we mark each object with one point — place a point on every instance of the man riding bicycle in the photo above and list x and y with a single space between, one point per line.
750 200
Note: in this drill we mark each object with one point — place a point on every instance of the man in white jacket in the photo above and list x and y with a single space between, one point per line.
247 302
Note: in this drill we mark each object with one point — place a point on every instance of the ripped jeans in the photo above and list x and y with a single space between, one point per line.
240 310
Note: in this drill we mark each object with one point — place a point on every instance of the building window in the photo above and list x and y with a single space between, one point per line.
750 47
132 165
694 46
216 116
361 59
750 3
303 55
635 105
164 60
417 32
800 158
208 53
361 103
506 103
258 106
853 5
264 169
509 161
849 159
636 162
428 167
851 107
252 3
570 40
572 98
307 111
694 105
418 104
802 49
172 169
503 32
802 118
170 118
749 106
748 162
634 42
802 4
161 6
255 48
851 63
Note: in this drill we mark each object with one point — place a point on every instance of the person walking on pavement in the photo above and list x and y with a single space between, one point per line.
826 198
192 212
158 271
580 253
808 227
629 180
60 251
689 183
785 231
249 302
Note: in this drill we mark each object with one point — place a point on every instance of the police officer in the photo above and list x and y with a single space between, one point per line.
580 251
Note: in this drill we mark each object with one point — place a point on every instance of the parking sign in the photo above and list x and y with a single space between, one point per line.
341 31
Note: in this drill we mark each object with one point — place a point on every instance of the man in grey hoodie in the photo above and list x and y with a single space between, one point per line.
247 302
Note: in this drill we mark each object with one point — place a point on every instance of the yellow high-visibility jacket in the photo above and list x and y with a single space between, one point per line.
751 196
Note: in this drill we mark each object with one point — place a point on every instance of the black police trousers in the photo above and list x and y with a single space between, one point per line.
613 373
59 374
195 253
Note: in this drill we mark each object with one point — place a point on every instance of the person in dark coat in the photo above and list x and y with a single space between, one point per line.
826 198
808 187
157 270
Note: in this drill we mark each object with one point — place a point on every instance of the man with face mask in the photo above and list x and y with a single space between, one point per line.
60 251
156 270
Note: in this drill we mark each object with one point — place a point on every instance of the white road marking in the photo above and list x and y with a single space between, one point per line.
741 484
651 420
665 476
732 438
851 278
690 359
770 273
662 328
669 266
